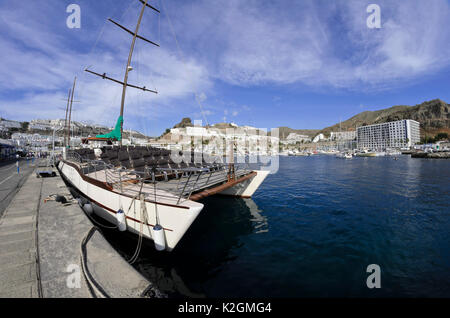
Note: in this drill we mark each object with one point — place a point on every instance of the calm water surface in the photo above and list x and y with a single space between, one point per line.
312 229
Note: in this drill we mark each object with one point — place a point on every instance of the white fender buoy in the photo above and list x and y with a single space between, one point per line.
88 208
159 238
121 221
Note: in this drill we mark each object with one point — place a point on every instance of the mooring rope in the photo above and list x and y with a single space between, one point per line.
144 219
92 284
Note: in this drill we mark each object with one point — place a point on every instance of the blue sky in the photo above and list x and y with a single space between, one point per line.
302 64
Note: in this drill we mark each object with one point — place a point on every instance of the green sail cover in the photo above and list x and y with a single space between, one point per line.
115 134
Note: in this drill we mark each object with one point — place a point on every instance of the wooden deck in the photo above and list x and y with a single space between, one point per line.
193 187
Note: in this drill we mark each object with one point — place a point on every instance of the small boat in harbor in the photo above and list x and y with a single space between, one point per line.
392 152
151 192
344 155
370 154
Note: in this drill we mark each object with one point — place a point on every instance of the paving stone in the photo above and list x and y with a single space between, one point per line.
12 277
19 214
17 228
10 260
18 236
17 246
8 221
27 290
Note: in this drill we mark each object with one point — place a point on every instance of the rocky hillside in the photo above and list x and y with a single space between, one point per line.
185 122
433 116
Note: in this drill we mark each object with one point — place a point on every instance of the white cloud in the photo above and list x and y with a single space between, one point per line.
201 97
319 43
41 67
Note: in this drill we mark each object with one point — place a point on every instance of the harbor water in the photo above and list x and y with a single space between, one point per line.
311 230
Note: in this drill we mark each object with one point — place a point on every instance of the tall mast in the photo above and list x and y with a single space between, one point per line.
70 112
127 70
65 121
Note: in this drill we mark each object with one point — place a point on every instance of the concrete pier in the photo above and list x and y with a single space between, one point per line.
52 250
11 181
19 273
435 155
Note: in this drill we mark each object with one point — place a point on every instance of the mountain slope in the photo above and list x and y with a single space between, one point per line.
433 116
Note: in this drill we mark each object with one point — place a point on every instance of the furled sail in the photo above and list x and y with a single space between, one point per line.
116 133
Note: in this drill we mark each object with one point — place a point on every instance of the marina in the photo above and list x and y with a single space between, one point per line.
198 156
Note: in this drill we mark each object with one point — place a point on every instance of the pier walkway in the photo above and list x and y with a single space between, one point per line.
11 181
52 250
18 248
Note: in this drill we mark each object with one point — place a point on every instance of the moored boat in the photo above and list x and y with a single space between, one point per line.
151 189
148 191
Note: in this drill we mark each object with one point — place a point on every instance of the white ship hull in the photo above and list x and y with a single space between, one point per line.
175 217
247 188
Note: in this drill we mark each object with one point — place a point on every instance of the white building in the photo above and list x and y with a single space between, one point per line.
196 131
343 135
33 126
214 139
293 138
319 137
8 124
396 134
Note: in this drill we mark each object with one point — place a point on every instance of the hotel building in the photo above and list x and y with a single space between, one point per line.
396 134
343 135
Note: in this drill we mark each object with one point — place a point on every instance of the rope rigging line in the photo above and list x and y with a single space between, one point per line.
102 30
181 56
143 218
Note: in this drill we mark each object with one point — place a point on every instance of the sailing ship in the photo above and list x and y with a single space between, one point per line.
148 191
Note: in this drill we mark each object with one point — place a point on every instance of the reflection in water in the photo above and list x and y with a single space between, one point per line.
261 225
210 243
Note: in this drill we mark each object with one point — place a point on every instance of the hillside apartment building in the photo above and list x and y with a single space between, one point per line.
396 134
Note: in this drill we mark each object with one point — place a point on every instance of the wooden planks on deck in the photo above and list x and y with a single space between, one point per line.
222 187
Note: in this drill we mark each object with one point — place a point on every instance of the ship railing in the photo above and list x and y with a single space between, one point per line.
206 179
74 156
188 180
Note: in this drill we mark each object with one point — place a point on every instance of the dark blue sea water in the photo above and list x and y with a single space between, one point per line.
312 229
